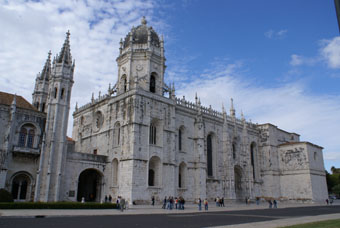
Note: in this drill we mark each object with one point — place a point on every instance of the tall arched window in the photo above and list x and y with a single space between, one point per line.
252 157
20 187
154 174
117 134
37 105
181 175
125 85
115 172
180 139
152 83
151 177
209 155
152 134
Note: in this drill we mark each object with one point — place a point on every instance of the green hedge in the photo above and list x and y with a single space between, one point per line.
57 205
5 196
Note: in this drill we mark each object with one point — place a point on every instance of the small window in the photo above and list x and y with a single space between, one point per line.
55 92
62 93
37 105
180 140
95 151
234 151
315 156
152 134
43 107
152 84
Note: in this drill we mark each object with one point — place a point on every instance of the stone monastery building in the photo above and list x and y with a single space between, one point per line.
139 140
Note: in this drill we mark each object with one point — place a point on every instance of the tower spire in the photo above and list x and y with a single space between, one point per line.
45 73
65 52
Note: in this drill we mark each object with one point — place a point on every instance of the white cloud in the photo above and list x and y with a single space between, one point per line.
296 60
331 52
29 29
272 34
290 107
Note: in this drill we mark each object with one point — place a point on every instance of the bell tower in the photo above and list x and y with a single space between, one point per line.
141 61
54 139
39 96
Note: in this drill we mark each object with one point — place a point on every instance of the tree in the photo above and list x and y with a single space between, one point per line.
336 189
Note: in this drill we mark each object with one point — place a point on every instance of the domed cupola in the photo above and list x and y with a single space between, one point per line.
140 34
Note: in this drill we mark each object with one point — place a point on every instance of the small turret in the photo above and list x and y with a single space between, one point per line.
232 110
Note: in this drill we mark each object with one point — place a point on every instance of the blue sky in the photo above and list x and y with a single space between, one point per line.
279 60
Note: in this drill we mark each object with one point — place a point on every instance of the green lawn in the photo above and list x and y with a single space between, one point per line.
324 224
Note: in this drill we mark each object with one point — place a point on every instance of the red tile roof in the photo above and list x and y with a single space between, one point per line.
7 99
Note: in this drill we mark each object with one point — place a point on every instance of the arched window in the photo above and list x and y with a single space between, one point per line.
62 93
154 171
20 187
152 83
43 107
125 85
209 155
22 137
252 157
37 105
55 92
180 139
26 136
181 175
117 134
152 134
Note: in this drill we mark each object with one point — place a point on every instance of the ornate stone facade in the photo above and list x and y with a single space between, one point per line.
139 140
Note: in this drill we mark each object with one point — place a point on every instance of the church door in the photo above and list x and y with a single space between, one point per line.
89 185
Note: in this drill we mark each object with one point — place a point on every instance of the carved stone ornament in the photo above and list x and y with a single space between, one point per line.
139 67
124 69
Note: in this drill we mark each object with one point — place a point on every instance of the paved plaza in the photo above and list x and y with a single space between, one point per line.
233 215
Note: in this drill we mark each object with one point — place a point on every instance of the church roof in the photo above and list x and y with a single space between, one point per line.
140 35
7 99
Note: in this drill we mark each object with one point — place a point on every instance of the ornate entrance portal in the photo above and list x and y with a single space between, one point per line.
89 185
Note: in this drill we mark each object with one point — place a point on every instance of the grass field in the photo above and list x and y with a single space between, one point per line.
324 224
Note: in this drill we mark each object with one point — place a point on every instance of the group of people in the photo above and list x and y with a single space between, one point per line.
205 202
272 203
219 202
172 203
121 203
108 199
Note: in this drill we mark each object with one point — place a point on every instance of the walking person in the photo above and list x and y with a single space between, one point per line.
122 204
222 202
164 203
153 201
270 203
206 204
275 203
199 204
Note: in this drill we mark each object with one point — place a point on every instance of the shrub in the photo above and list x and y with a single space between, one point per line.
5 196
57 205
